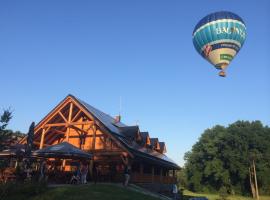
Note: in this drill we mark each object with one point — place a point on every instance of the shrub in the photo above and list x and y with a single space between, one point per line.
6 189
223 193
28 189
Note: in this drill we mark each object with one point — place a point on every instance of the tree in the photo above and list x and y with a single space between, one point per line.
30 139
4 134
8 137
221 158
29 145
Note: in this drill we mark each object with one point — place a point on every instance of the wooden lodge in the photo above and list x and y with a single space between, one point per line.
106 138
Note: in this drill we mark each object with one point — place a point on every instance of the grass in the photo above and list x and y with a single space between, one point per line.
85 192
103 192
216 196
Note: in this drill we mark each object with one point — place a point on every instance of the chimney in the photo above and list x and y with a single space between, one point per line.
117 119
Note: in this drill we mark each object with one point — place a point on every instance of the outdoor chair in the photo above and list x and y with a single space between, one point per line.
75 180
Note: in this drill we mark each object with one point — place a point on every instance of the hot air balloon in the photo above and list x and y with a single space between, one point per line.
218 37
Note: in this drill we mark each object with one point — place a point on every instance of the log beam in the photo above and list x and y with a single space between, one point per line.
44 131
69 120
94 137
79 129
60 113
38 143
69 124
54 137
49 117
153 174
77 114
58 131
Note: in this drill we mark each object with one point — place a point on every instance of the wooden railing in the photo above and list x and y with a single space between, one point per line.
149 178
7 175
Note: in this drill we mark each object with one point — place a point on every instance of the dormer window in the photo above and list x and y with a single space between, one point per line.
162 146
154 143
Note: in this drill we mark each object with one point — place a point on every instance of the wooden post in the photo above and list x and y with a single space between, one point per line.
70 112
161 173
63 164
174 176
141 169
68 131
42 139
69 121
94 138
153 174
91 166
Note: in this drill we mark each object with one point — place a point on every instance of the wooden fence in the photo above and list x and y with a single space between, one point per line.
149 178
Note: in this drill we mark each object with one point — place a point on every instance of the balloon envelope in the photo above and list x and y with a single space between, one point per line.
218 37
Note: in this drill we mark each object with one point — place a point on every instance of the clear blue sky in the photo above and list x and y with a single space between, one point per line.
140 50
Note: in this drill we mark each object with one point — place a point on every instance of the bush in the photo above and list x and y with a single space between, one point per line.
223 193
6 189
28 189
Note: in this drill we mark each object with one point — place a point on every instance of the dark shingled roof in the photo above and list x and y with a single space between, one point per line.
143 152
13 151
122 131
162 146
144 137
129 131
154 141
63 149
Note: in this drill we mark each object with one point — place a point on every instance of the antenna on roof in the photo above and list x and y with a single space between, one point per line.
120 105
118 117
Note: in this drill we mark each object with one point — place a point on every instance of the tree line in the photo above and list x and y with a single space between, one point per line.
224 158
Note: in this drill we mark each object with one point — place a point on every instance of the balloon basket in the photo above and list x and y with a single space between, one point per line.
222 74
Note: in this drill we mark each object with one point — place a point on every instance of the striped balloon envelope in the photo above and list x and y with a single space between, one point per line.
218 37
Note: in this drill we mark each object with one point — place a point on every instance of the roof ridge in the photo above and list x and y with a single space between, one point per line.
94 107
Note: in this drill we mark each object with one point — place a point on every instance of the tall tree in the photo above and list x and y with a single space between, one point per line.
7 136
221 158
4 134
30 139
29 147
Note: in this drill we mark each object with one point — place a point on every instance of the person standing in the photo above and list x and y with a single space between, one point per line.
95 173
127 169
78 173
84 172
175 191
43 171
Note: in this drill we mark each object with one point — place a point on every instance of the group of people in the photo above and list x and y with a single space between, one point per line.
81 170
80 174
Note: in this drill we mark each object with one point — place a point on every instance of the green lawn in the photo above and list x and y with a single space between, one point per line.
103 192
87 192
216 196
